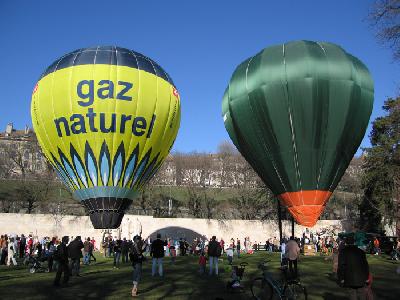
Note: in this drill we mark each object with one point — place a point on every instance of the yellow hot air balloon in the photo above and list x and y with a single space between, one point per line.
106 118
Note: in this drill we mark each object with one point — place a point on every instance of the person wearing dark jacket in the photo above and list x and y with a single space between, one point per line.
75 253
214 251
182 248
136 257
61 255
124 250
157 252
117 253
238 248
353 270
22 245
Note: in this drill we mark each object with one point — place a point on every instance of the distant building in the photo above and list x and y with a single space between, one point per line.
19 152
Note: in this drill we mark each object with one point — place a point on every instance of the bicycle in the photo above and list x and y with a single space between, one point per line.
264 288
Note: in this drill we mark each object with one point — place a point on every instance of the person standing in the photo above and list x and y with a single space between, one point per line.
111 243
202 263
136 257
124 250
182 247
117 253
376 246
4 249
38 248
30 244
214 251
22 245
75 253
61 256
11 253
51 247
274 244
93 241
105 246
353 270
91 249
238 247
292 254
157 252
86 249
173 253
283 252
229 254
222 244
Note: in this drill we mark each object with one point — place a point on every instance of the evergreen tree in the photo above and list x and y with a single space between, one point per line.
381 176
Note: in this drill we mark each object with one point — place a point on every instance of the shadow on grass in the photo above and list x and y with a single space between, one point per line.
151 287
330 296
182 280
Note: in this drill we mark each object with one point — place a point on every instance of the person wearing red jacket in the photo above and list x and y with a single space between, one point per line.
376 246
202 263
222 244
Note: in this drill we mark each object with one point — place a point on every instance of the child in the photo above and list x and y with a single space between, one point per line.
229 254
202 263
173 253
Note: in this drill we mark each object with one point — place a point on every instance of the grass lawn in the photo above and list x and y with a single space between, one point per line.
182 281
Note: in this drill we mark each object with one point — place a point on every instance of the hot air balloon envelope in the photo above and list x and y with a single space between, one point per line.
106 118
297 112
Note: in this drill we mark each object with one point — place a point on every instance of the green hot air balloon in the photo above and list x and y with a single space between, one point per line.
297 112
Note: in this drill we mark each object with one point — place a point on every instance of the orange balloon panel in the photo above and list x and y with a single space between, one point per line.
305 206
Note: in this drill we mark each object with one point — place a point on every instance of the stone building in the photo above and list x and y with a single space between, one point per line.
20 153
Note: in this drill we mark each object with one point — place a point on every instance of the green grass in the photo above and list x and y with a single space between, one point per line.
182 281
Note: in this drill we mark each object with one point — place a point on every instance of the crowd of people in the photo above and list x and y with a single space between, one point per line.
64 256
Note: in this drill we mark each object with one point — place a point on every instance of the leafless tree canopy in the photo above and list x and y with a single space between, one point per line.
32 177
385 17
218 185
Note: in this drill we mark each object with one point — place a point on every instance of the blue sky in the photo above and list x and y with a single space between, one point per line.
199 43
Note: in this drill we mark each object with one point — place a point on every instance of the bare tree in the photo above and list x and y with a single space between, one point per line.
58 210
33 193
226 157
34 184
6 164
194 202
178 161
254 204
385 17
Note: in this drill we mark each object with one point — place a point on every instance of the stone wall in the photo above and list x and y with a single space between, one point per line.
48 225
